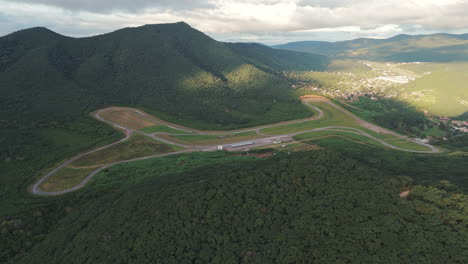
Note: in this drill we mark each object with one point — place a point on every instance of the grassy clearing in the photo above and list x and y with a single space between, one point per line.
349 136
127 118
397 142
409 145
332 117
347 129
65 178
382 136
435 131
162 128
296 146
288 147
124 174
135 147
75 172
213 139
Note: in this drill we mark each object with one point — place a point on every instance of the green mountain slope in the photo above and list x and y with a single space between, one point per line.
307 207
279 60
50 83
169 68
401 48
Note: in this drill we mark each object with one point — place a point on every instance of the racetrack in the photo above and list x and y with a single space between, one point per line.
261 139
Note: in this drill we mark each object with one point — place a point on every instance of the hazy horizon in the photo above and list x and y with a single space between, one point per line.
234 40
263 21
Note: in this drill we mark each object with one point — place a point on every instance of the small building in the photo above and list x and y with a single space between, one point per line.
242 144
220 147
422 140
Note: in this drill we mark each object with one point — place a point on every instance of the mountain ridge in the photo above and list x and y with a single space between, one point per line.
440 47
395 37
180 53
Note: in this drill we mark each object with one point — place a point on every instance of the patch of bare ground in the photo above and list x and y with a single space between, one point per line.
127 118
372 127
404 194
313 97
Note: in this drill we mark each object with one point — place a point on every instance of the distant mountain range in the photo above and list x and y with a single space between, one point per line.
401 48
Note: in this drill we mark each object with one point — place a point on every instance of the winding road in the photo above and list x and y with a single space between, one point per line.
267 139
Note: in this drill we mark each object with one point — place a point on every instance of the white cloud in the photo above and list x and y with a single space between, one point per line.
120 5
246 19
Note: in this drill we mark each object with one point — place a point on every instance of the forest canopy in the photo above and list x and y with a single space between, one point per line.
316 206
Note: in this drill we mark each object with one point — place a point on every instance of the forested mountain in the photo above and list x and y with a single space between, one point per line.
308 207
170 68
279 60
49 84
400 48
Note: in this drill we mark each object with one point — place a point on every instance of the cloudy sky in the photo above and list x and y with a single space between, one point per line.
267 21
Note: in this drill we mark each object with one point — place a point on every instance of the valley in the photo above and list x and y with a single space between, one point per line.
427 86
423 100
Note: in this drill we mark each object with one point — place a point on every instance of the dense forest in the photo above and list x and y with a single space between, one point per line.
280 60
457 142
316 206
394 114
